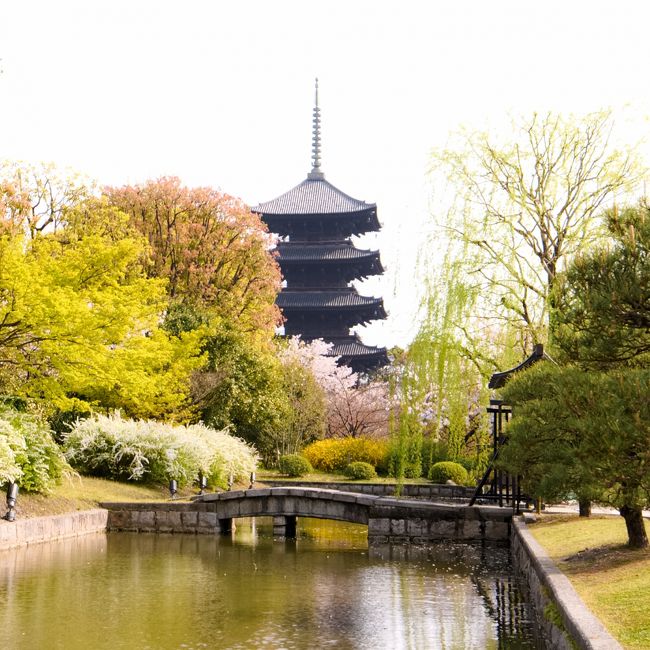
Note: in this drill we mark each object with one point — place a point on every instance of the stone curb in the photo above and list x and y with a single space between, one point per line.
418 491
586 630
46 529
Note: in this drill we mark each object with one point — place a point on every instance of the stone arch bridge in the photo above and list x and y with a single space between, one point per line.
388 519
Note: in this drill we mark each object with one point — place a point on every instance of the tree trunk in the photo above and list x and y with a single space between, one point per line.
584 507
636 534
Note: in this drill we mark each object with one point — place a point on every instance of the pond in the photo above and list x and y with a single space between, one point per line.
325 589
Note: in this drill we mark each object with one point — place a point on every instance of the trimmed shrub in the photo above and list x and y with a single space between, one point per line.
335 454
294 465
28 453
448 471
360 471
154 452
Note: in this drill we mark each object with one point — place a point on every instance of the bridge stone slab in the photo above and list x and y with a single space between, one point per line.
388 518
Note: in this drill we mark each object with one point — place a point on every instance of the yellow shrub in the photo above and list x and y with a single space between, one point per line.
335 454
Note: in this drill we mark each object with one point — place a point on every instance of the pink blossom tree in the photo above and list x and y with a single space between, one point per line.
354 408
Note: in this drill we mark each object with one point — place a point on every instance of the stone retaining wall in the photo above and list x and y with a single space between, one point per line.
46 529
431 491
553 597
398 521
164 517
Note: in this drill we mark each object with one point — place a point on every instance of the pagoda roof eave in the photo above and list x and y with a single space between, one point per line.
325 253
328 300
355 349
313 197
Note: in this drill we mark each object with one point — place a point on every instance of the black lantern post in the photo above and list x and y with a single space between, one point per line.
173 488
12 496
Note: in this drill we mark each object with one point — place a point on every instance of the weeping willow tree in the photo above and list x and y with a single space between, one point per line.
507 217
439 386
519 209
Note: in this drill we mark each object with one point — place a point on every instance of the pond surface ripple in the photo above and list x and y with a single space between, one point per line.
324 590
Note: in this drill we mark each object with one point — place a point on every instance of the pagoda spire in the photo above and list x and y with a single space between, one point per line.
316 174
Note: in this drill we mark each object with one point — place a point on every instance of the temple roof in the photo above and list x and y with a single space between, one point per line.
498 379
323 253
353 347
313 196
347 299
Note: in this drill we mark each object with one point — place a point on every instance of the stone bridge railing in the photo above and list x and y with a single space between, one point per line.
388 519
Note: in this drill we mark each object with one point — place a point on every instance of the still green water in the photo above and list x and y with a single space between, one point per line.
324 590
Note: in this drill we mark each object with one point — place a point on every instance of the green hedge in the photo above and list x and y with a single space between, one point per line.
294 465
448 471
360 471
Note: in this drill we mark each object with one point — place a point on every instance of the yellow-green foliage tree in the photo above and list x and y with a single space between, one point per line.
80 321
522 207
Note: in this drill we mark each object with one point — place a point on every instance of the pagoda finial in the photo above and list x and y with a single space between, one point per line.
316 173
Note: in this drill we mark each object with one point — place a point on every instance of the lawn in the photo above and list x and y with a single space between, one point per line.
613 580
82 493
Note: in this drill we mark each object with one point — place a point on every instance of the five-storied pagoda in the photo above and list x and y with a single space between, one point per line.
314 222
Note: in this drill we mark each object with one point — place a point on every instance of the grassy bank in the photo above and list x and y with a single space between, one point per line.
613 580
82 493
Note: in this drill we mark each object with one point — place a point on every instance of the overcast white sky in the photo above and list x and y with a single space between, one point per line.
220 93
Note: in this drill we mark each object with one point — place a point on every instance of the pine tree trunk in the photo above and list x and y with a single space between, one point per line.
636 534
584 507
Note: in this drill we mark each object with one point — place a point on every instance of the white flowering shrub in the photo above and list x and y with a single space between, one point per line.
28 453
154 452
9 469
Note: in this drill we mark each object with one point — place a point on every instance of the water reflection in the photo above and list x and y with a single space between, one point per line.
323 590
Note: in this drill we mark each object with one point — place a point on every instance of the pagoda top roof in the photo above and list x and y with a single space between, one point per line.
325 300
290 252
313 196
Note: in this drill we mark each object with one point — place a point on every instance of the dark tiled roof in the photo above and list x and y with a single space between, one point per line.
313 196
326 300
355 349
323 252
498 379
351 346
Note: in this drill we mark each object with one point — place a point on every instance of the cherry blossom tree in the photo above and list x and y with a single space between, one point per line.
354 408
